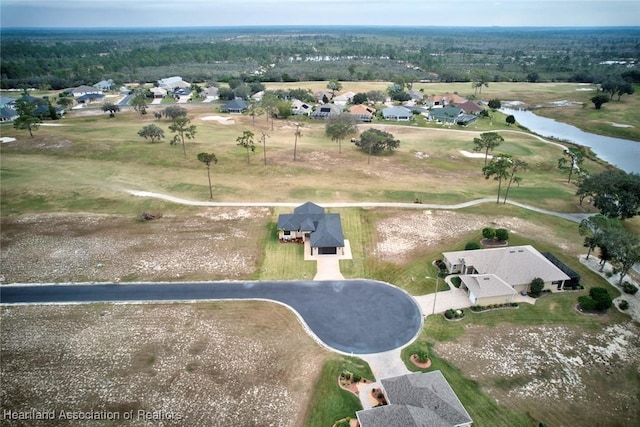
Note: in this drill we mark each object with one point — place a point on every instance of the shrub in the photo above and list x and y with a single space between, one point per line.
502 234
470 246
629 288
586 303
449 314
488 233
623 305
356 378
601 298
422 356
536 287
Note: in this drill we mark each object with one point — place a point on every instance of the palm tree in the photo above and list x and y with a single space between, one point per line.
208 159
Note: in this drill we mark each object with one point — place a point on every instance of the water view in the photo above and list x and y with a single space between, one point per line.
623 153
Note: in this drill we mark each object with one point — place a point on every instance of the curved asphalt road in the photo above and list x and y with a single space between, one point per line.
350 316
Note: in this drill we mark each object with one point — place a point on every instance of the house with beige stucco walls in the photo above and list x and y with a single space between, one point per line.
496 275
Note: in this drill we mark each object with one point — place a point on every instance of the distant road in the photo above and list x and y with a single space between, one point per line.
350 316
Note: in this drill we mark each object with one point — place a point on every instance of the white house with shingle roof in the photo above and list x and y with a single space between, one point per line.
485 272
417 400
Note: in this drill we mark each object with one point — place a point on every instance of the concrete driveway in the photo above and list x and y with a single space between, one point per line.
444 300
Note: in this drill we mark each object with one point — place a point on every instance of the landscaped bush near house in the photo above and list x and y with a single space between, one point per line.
535 289
454 314
502 234
601 297
470 246
480 308
598 300
440 264
456 281
586 303
629 288
422 356
623 305
489 233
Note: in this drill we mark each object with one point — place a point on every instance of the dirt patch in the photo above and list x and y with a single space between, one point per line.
402 234
217 243
554 370
195 361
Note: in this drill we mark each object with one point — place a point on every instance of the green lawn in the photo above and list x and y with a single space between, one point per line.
329 403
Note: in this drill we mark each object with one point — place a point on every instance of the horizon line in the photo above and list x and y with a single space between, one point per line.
4 28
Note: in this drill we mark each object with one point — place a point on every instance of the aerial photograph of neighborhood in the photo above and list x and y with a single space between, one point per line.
354 213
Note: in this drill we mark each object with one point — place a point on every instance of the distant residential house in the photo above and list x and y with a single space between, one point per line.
7 109
158 92
323 111
398 113
258 96
300 108
321 95
344 99
235 106
83 90
182 94
310 223
419 399
469 107
447 115
416 96
362 112
439 101
171 83
211 93
7 114
104 85
495 275
89 98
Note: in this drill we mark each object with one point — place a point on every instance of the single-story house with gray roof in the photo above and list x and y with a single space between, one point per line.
236 106
398 113
516 266
310 222
417 400
323 111
445 114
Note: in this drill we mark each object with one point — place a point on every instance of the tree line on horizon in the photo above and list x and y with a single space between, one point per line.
61 60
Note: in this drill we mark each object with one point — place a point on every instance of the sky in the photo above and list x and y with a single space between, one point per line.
214 13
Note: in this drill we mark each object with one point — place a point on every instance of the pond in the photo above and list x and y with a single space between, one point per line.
623 153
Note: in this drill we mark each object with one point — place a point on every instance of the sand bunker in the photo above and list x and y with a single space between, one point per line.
6 139
219 119
475 155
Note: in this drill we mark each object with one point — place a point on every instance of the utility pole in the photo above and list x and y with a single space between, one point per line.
435 296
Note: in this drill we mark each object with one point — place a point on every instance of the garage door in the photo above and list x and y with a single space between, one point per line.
327 251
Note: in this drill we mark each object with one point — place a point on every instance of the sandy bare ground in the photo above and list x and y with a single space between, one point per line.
401 234
196 362
530 366
84 247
